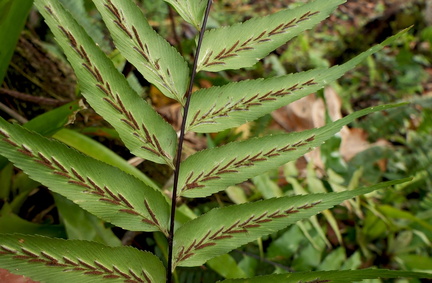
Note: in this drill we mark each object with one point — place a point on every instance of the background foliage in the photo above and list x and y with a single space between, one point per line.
388 229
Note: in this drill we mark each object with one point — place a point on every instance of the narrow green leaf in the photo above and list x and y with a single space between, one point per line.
6 175
192 11
333 224
99 188
22 187
222 230
243 44
226 266
212 170
218 108
143 131
54 260
415 262
393 212
152 55
13 14
266 186
53 121
345 276
333 260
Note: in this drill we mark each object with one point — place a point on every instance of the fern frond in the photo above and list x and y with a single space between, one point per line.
242 45
218 108
101 189
212 170
222 230
152 55
143 131
55 260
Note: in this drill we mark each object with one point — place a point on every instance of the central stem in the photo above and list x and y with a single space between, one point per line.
180 145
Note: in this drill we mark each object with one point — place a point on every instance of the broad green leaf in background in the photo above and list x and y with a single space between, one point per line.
286 245
266 186
6 174
12 223
236 194
226 266
222 230
99 188
81 225
315 185
50 122
242 45
55 260
143 131
212 170
218 108
100 152
152 55
13 14
310 255
353 262
344 276
333 260
78 9
18 187
192 11
393 212
416 262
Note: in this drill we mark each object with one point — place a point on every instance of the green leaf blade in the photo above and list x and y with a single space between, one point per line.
242 45
51 122
55 260
78 9
222 230
143 131
218 108
81 225
152 55
99 188
191 11
212 170
13 15
12 223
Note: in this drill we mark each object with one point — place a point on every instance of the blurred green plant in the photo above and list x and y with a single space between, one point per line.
303 246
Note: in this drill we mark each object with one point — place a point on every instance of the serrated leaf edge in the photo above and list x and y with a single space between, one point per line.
165 77
212 59
244 104
151 143
197 181
211 238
